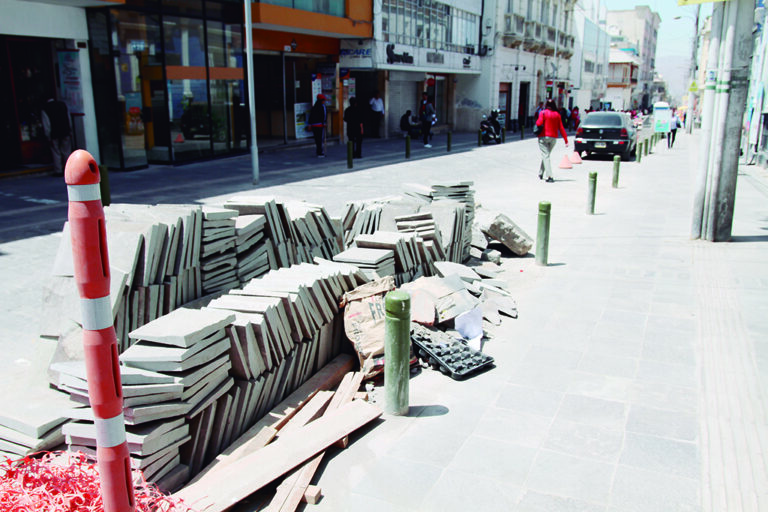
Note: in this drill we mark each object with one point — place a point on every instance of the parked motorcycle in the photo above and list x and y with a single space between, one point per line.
491 133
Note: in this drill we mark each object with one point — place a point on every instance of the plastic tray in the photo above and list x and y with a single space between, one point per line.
449 355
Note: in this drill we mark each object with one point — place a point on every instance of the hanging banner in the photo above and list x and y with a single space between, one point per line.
70 80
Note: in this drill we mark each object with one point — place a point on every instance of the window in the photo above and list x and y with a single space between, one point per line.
589 66
332 7
429 24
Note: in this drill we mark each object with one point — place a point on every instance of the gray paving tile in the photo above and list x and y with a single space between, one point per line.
656 422
661 395
593 411
537 502
617 346
606 387
530 400
653 453
608 365
403 483
512 426
428 444
492 458
461 491
666 373
637 490
556 357
571 477
585 441
541 377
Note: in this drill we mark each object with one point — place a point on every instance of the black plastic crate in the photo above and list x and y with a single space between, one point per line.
447 354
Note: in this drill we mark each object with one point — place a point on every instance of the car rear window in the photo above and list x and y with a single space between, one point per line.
603 119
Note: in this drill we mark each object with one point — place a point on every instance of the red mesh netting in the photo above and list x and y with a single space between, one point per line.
63 481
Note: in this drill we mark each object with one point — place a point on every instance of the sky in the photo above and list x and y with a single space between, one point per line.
675 38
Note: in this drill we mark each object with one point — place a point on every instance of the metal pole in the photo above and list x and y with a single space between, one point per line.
503 135
639 152
689 113
397 349
407 146
591 193
285 109
448 138
479 138
542 233
251 90
616 164
349 154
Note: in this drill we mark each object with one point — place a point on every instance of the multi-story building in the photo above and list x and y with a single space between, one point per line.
590 58
623 71
640 26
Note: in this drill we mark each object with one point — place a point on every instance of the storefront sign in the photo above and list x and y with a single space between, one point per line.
300 118
356 53
435 58
70 80
393 57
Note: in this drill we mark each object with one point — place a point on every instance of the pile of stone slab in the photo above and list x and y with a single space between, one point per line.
374 263
412 258
196 379
154 257
298 231
218 260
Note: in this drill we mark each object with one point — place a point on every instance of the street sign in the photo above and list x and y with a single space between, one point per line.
694 87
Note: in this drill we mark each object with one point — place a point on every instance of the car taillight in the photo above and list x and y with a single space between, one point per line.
624 133
580 131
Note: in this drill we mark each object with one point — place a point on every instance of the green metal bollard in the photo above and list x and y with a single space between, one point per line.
542 234
349 154
591 193
639 152
646 143
616 164
448 138
106 196
407 146
479 138
397 351
522 128
503 135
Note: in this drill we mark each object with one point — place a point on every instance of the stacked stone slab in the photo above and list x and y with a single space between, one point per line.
255 255
405 247
218 259
374 263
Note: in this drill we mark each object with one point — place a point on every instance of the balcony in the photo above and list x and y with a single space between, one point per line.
550 40
514 30
565 45
533 40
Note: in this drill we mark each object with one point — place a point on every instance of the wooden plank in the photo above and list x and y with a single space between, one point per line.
223 488
325 379
312 494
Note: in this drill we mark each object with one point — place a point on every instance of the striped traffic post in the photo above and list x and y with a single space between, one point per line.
105 392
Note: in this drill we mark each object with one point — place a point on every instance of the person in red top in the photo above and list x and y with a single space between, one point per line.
551 124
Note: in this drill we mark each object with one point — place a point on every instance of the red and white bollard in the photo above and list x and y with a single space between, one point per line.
105 391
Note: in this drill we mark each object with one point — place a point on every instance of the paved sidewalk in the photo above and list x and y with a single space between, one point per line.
633 379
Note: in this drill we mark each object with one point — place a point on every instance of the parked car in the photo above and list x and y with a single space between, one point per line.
610 133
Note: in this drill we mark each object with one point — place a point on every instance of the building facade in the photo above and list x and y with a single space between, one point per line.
640 27
591 55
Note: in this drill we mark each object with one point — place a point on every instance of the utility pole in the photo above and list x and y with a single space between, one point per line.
691 94
251 90
725 94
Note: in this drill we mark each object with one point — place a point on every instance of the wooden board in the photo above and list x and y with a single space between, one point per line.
230 484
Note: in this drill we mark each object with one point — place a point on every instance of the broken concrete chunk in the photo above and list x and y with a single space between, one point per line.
479 240
502 228
491 255
447 268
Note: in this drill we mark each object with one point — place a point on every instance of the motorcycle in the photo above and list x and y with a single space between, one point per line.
489 132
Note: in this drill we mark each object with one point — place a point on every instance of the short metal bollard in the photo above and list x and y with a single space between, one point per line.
542 233
479 138
646 144
503 135
449 136
591 193
639 152
616 164
407 146
106 195
522 128
397 352
349 154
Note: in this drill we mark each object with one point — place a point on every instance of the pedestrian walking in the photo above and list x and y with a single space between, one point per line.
550 124
317 119
55 117
354 121
674 124
575 118
427 117
377 109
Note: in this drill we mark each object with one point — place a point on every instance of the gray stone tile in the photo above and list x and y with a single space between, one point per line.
585 441
653 453
538 502
593 411
353 502
636 490
665 352
530 400
541 377
427 444
515 427
666 373
665 396
461 491
504 461
674 425
571 477
617 346
608 365
555 357
600 386
403 483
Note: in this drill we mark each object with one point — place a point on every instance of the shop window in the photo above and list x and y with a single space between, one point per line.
331 7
